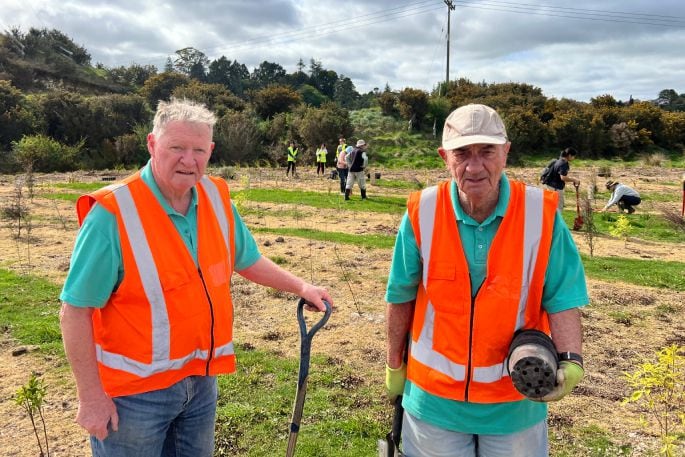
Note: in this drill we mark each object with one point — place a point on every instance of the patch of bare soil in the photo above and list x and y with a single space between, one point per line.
623 323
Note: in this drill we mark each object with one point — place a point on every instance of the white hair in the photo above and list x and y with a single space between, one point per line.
181 110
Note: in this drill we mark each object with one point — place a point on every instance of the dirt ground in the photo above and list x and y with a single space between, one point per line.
622 324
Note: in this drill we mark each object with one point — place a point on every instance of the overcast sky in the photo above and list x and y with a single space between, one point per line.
577 49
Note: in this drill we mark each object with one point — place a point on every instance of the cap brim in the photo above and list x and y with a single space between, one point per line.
468 140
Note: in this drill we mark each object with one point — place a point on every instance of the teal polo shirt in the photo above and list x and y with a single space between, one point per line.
564 289
96 267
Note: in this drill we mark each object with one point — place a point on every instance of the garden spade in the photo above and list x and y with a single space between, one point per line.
390 446
578 221
305 352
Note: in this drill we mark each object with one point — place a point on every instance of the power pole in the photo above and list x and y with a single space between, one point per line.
450 7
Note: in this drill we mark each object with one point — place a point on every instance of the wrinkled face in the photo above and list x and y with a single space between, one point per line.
180 155
476 168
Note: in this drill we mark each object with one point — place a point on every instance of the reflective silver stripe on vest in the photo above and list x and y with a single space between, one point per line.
429 198
422 350
148 274
143 370
226 349
532 234
218 206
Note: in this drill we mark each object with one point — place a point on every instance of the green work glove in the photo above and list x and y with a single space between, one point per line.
394 380
569 375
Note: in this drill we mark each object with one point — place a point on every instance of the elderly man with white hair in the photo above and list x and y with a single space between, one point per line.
478 259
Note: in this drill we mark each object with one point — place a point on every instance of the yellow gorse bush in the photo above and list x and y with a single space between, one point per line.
660 389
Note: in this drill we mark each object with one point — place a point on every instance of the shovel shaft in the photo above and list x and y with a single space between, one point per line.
297 416
578 222
303 376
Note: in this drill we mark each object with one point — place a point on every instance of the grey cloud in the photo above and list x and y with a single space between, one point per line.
563 56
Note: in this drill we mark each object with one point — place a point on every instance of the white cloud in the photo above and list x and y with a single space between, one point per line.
580 51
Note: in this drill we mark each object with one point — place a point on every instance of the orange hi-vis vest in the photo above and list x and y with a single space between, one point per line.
168 319
460 345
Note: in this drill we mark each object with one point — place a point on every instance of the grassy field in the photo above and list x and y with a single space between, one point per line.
635 291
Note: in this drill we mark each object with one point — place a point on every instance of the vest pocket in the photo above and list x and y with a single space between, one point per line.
181 294
442 278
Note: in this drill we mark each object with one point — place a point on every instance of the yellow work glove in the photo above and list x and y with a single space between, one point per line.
569 375
394 380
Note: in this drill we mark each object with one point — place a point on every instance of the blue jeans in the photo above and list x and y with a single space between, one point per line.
342 174
421 439
177 421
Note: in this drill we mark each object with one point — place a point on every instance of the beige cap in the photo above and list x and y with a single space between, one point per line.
473 124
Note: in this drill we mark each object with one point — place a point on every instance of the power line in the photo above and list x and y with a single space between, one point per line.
581 14
406 10
416 8
583 10
352 23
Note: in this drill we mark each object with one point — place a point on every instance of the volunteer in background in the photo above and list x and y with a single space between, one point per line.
321 154
622 196
558 176
341 164
292 158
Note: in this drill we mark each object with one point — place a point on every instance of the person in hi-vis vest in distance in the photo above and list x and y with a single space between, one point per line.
479 258
321 153
147 311
292 159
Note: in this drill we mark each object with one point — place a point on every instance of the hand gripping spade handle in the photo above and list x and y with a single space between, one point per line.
305 352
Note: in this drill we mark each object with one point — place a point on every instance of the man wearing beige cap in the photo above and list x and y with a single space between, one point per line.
472 266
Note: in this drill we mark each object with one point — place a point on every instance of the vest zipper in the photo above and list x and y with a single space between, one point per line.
211 331
470 360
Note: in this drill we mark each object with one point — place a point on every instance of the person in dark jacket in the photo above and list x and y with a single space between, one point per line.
558 177
357 160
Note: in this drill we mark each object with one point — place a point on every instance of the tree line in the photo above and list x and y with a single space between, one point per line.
60 112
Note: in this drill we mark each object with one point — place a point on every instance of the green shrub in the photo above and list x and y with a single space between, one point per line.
45 154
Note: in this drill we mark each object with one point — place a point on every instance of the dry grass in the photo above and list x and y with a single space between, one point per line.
622 324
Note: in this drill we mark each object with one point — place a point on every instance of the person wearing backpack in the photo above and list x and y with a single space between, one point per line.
555 175
357 161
